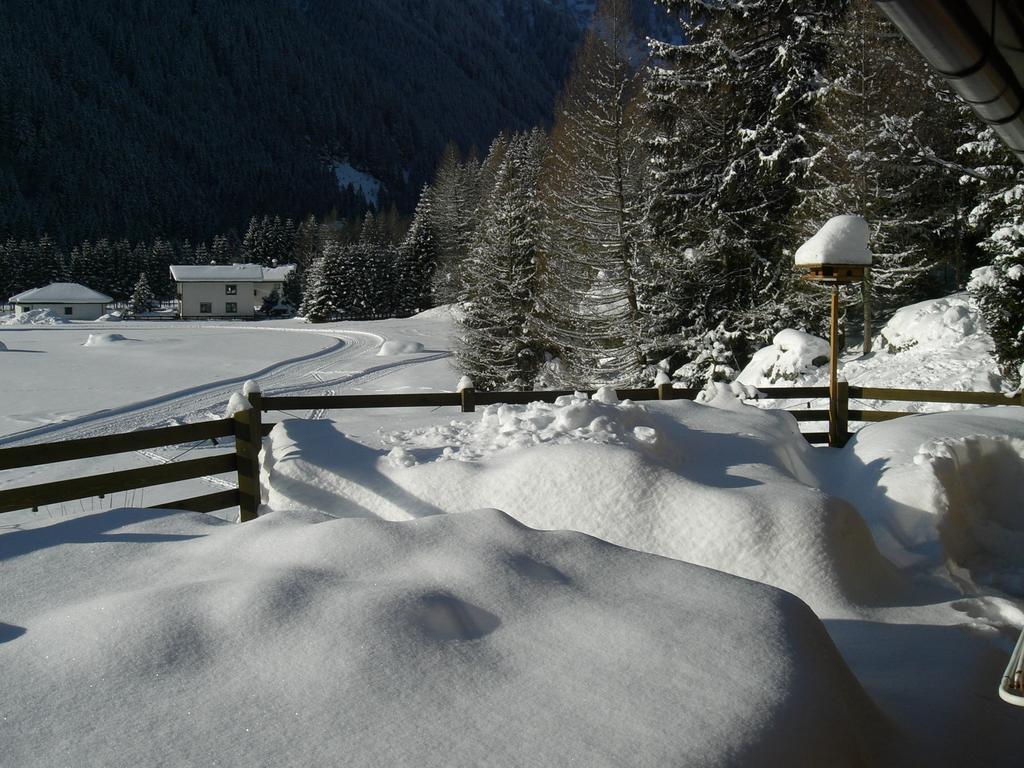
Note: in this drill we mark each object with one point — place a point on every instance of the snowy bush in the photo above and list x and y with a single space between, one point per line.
792 355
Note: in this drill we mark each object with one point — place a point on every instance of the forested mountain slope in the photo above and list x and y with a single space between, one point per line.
181 118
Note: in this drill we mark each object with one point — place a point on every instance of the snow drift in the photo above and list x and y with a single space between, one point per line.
33 317
647 477
104 340
295 640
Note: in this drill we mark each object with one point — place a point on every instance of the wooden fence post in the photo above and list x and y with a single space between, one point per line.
838 414
248 441
665 391
842 412
468 401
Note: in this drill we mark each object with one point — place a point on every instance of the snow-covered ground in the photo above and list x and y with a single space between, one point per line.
372 617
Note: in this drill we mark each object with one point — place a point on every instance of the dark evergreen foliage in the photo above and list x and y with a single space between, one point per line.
182 119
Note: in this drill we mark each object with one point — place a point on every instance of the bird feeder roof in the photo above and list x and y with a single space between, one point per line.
843 240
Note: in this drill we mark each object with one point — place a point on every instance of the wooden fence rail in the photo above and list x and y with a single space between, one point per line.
32 496
247 430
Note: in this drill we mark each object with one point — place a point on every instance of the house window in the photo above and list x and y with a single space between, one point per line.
230 290
231 308
205 308
68 311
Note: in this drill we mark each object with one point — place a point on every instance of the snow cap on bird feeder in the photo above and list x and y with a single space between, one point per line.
838 253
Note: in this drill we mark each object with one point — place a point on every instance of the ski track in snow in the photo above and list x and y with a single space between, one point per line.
288 377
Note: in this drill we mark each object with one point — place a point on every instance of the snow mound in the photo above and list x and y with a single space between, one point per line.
936 324
110 317
943 490
793 356
729 487
3 347
390 348
104 340
456 640
842 240
571 419
35 317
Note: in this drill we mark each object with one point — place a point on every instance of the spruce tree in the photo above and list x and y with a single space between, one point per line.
999 218
416 261
499 346
732 106
878 106
142 297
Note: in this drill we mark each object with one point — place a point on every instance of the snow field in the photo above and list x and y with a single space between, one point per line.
458 640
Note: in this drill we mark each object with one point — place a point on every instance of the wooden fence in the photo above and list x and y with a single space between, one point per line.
247 428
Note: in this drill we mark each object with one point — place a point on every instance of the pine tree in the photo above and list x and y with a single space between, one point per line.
594 298
322 296
457 197
142 297
878 103
731 107
416 261
999 217
498 345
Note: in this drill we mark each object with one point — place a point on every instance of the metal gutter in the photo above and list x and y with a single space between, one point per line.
978 46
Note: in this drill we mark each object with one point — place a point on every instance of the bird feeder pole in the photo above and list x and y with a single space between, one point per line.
837 255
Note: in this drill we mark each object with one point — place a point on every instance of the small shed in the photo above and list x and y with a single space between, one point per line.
68 300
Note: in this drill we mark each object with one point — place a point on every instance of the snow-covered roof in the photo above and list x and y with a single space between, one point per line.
842 240
278 274
217 273
61 293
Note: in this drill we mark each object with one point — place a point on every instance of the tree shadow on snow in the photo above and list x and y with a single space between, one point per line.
88 529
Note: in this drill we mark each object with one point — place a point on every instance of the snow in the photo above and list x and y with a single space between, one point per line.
61 293
33 317
104 339
238 402
395 347
936 344
842 240
380 612
297 640
365 184
3 347
791 356
933 325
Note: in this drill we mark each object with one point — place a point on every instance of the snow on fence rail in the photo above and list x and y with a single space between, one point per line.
248 429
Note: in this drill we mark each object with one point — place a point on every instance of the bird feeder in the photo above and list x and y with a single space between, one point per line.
837 255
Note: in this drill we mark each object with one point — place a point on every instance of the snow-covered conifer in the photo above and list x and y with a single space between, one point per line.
498 346
142 297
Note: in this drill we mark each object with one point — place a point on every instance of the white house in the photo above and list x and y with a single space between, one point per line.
225 290
69 300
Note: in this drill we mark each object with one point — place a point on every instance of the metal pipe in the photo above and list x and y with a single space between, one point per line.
978 46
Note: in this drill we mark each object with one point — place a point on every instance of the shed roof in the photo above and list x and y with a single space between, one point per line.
61 293
226 273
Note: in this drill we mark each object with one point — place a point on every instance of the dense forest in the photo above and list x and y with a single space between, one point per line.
647 226
183 118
